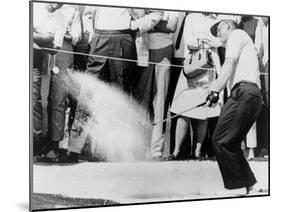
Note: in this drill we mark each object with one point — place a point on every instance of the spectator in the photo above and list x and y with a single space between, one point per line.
261 43
77 113
154 82
249 24
251 141
111 39
196 34
86 15
178 60
57 101
39 40
44 36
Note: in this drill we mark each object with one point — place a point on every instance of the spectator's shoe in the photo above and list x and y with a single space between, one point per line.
72 157
172 157
201 158
212 158
158 158
50 157
93 158
192 157
37 158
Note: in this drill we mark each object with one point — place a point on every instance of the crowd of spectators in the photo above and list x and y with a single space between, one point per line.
149 37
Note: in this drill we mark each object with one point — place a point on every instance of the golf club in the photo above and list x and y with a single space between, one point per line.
176 115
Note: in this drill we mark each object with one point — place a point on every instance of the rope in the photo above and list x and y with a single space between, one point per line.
131 60
124 59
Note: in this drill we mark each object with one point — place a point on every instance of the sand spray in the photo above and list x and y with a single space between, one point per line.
117 125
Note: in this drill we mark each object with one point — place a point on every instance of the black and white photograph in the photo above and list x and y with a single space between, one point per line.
137 105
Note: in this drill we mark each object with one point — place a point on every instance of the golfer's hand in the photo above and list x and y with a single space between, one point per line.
212 98
212 43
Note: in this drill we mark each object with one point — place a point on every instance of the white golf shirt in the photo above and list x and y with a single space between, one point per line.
240 47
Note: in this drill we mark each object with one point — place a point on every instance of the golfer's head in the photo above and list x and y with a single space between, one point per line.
224 29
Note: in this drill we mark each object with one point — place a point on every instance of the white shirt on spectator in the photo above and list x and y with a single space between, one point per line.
110 18
239 46
42 19
159 40
56 22
88 20
71 15
261 41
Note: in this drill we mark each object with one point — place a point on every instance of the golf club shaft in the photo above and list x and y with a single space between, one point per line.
178 114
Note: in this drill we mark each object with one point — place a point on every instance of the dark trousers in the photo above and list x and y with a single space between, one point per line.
36 98
237 116
59 93
147 85
80 64
115 44
263 120
80 61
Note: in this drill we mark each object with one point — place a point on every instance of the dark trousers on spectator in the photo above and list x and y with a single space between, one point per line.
36 99
237 116
263 120
152 94
117 44
59 92
80 65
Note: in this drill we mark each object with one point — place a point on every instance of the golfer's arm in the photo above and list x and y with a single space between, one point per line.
225 73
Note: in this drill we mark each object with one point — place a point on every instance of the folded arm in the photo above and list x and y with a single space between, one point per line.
147 22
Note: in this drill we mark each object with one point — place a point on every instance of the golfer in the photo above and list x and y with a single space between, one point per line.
240 73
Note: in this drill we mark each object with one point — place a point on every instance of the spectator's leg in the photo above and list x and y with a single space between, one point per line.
175 73
200 132
122 72
98 66
251 141
80 65
37 110
58 96
180 134
37 101
263 120
80 61
78 135
158 93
